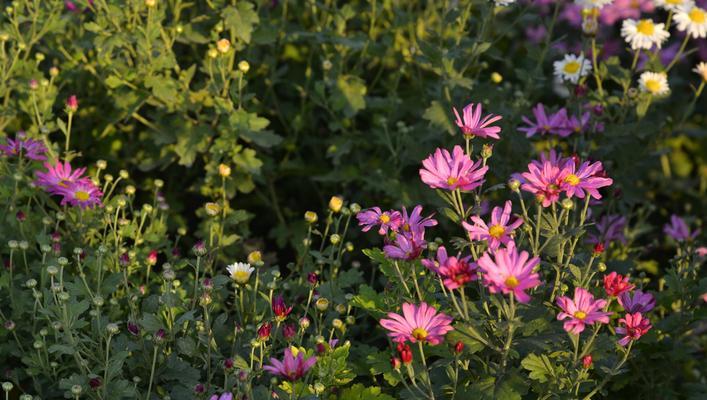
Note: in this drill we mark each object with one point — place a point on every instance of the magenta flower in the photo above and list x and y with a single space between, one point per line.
59 177
581 311
454 271
616 284
404 247
374 216
633 327
587 178
610 228
82 193
291 368
678 229
421 323
498 231
639 302
555 124
223 396
623 9
443 170
22 147
578 125
508 271
414 224
280 309
473 125
544 179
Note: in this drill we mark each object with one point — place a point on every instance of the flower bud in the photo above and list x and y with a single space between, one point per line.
150 3
243 66
514 184
76 390
601 267
72 104
335 203
7 386
567 204
459 347
322 304
223 46
112 328
587 361
335 239
212 209
311 217
212 53
255 257
304 323
496 78
224 170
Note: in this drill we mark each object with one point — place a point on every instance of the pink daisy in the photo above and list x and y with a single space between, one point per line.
638 302
544 179
414 224
421 323
587 178
582 310
508 271
374 216
291 368
473 125
404 247
443 170
59 177
82 193
455 271
633 327
498 231
21 147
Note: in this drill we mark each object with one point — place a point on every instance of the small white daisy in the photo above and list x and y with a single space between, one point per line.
240 272
572 67
693 20
644 33
655 83
701 70
673 5
598 4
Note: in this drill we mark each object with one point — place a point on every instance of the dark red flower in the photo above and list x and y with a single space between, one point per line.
280 309
264 331
587 361
615 284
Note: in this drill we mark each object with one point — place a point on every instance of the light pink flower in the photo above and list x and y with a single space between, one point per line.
508 271
421 323
638 302
582 310
291 368
586 178
443 170
455 271
498 231
473 125
633 327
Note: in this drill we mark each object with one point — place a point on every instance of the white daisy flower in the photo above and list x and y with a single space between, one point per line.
673 5
598 4
572 67
693 20
701 70
644 33
504 2
655 83
240 272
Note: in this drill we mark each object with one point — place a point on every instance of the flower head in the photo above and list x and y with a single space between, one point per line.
655 83
291 367
59 176
240 272
82 193
610 228
280 309
498 231
387 220
22 147
443 170
555 124
544 178
582 310
678 229
414 224
637 302
633 326
507 270
701 70
572 67
472 124
693 21
404 247
615 284
587 177
223 396
454 271
644 33
418 323
674 5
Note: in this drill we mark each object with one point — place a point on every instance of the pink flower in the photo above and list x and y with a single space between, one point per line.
508 271
587 178
443 170
421 323
498 231
59 176
640 302
634 326
72 104
455 271
545 179
374 216
581 311
616 284
678 229
610 228
623 9
414 224
223 396
280 309
473 125
555 124
404 247
21 147
291 368
82 193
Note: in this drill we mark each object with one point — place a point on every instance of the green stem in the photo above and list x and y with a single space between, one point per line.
152 372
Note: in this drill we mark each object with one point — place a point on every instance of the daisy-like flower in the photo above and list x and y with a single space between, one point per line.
418 323
678 229
637 302
572 67
404 247
701 70
592 3
280 309
82 193
616 284
292 367
59 176
472 124
555 124
633 327
498 231
240 272
582 310
578 124
610 228
443 170
655 83
693 21
544 179
508 271
454 271
674 5
586 178
22 147
644 33
388 220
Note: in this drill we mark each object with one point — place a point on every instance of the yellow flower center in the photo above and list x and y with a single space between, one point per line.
572 179
63 183
241 276
81 195
419 333
451 180
496 231
512 282
571 67
384 218
697 16
645 27
653 85
674 2
580 315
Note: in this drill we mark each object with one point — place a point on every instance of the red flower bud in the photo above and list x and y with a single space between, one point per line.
587 361
72 104
598 249
459 347
264 331
395 362
405 353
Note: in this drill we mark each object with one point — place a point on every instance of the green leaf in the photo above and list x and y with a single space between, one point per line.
241 19
360 392
349 96
438 117
540 367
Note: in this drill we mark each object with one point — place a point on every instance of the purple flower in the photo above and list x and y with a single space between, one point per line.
454 271
82 193
59 176
578 125
374 216
414 224
404 247
224 396
291 367
678 229
22 147
638 302
555 124
472 124
610 228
